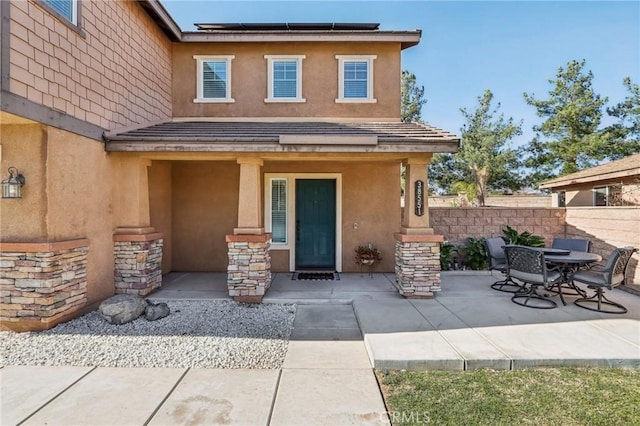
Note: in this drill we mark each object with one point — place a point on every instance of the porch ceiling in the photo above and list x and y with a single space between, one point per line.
282 137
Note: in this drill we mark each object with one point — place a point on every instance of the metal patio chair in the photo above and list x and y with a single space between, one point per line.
573 244
528 265
498 262
611 276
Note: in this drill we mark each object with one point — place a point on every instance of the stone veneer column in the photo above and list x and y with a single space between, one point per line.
138 262
249 269
418 265
42 284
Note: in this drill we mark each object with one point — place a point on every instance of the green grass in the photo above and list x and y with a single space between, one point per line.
549 396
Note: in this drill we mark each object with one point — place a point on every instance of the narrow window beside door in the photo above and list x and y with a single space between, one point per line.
279 211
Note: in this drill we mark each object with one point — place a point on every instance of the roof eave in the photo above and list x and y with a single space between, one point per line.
162 18
405 38
589 179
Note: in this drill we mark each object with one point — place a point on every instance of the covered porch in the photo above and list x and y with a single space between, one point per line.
253 199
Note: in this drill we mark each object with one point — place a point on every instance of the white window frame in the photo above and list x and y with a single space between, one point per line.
200 60
73 19
291 212
357 58
271 59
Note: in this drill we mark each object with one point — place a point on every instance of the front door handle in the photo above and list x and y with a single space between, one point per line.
297 230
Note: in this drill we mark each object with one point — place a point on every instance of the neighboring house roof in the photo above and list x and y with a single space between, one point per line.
628 166
257 136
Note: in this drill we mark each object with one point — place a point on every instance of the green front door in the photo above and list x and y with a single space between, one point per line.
316 224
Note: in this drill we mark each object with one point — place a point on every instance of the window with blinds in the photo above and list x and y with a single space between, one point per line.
279 210
355 78
213 78
284 78
65 8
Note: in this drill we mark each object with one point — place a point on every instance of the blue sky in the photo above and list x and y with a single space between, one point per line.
509 47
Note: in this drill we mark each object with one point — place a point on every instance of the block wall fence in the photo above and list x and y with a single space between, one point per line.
606 227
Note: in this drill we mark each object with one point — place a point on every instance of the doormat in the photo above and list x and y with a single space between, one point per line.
314 276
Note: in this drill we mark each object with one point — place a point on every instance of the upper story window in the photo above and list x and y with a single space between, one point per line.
284 78
355 78
67 9
213 78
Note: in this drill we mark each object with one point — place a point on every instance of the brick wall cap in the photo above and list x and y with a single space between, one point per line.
137 237
263 238
427 238
43 247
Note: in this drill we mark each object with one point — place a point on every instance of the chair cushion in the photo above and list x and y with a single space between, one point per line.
597 278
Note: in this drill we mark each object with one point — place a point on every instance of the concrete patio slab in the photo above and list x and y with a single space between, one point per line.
25 389
328 397
230 397
110 396
562 344
626 329
477 351
417 350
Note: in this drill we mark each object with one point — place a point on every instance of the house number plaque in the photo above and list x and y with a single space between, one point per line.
419 197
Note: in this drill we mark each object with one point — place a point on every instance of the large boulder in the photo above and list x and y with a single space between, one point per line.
122 308
155 311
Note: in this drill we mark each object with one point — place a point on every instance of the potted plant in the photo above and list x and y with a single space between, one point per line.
367 254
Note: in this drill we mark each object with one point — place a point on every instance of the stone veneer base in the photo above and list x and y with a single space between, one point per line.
418 265
138 263
42 284
249 269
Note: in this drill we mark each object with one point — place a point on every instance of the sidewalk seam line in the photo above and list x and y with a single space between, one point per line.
173 388
275 395
57 395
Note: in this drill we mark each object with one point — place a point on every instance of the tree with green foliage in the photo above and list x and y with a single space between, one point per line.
412 97
568 139
625 134
483 147
484 158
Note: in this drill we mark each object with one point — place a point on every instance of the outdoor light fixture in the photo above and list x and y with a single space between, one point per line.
12 186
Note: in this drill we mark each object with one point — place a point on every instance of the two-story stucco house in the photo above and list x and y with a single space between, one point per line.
244 148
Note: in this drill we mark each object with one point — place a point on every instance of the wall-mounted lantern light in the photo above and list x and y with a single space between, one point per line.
12 186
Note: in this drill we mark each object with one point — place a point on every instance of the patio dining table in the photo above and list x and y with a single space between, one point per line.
568 262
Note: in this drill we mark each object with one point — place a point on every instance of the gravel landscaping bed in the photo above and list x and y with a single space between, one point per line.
199 334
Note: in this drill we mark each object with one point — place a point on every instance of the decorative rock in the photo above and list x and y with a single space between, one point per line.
155 311
122 308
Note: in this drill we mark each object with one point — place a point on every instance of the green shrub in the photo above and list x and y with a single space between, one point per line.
526 238
475 253
446 255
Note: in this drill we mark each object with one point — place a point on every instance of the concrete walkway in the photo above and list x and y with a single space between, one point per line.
341 329
326 379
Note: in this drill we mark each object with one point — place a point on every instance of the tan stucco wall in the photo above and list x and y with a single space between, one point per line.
319 80
25 148
160 209
205 199
116 73
66 196
205 209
